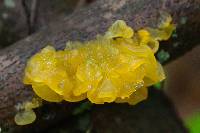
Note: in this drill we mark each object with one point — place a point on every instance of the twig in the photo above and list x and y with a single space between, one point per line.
30 14
33 13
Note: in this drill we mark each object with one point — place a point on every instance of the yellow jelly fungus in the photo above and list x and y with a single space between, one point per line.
116 67
164 30
25 117
25 114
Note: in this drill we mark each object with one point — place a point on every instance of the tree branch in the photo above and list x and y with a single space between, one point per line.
85 24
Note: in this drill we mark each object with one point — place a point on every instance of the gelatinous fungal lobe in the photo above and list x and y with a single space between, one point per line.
25 114
115 67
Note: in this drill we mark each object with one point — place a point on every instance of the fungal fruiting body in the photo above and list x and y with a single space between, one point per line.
115 67
25 114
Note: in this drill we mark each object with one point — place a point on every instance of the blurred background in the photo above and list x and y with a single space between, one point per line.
183 87
20 18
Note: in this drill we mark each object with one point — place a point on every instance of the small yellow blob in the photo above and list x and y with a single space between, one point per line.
25 117
115 67
165 28
25 114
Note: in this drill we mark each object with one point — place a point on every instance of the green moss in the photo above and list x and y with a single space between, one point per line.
174 34
83 107
163 56
158 85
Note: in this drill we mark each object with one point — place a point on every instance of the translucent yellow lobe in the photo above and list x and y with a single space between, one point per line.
25 114
116 67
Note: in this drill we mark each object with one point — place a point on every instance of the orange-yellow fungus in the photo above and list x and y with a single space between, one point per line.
115 67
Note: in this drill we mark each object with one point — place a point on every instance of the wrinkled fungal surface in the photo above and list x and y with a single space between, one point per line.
115 67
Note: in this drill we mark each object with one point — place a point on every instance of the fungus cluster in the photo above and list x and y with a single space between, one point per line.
115 67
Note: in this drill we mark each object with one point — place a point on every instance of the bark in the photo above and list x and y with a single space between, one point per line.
85 24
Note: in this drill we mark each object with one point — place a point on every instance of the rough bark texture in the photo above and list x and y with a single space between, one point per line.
85 24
